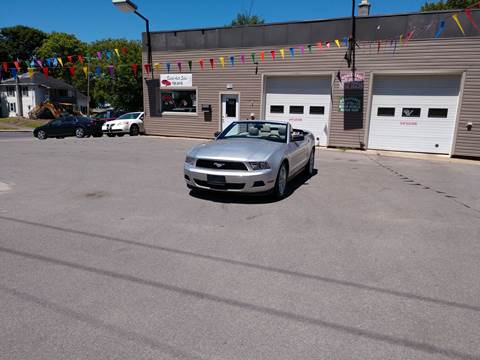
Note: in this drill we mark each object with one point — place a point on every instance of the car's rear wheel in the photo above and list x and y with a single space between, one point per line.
134 130
120 135
310 168
79 132
98 135
281 184
42 135
111 135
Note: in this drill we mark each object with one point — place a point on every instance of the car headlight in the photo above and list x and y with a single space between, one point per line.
190 160
260 165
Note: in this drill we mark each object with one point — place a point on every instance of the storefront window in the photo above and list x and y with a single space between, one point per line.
179 101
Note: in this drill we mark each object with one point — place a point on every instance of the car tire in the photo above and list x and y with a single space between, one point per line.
281 184
111 135
97 135
79 132
120 135
41 135
134 130
310 167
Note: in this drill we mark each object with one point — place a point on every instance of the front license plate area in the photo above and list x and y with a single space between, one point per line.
216 180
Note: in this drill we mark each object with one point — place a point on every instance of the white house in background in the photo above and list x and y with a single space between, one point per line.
35 90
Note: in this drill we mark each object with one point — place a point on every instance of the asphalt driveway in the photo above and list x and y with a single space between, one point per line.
104 254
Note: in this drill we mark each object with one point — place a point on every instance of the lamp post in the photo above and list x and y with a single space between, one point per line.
128 6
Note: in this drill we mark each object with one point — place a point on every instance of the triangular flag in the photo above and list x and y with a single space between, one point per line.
135 70
212 63
273 54
190 65
232 60
109 54
345 41
111 70
80 58
60 61
85 71
99 55
117 52
168 66
124 50
262 55
328 44
379 45
39 62
455 17
5 66
440 29
45 71
98 71
337 42
147 68
30 72
14 72
222 61
320 45
242 58
72 71
70 58
253 57
157 67
401 38
292 52
468 14
309 48
179 64
282 53
201 62
302 49
17 65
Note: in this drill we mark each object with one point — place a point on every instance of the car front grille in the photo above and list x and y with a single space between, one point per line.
221 165
226 186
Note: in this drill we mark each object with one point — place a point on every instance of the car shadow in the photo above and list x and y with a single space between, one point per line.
242 198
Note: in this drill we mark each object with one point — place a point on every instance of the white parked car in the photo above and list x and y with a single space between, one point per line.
129 123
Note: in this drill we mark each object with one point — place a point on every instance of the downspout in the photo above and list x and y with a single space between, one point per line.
18 97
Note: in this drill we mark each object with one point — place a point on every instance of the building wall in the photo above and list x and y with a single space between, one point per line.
454 55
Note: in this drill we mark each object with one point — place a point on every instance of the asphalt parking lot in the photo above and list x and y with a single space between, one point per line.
104 254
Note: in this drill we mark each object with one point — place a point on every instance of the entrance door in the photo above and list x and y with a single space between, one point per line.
230 109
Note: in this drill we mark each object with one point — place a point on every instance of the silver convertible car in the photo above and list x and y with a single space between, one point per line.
251 157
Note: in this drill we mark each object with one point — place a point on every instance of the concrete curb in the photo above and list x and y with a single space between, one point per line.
407 155
17 130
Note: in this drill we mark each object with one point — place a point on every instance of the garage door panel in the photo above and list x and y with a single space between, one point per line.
309 94
432 131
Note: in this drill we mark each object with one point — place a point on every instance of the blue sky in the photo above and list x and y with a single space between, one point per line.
96 19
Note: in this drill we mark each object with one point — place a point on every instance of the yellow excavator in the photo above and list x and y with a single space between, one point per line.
50 110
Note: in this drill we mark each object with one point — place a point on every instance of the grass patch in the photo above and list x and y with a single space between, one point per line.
19 122
6 127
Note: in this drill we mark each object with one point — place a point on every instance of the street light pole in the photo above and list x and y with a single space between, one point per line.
353 41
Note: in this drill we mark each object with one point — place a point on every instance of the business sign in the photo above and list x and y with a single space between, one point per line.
347 81
350 104
176 80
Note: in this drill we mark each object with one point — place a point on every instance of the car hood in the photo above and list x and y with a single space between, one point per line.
237 149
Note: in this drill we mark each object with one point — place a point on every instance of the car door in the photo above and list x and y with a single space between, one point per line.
68 126
55 128
296 153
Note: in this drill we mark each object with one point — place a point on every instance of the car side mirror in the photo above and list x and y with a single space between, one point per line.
298 137
216 133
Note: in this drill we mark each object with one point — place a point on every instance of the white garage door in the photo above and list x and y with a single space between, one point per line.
302 100
414 113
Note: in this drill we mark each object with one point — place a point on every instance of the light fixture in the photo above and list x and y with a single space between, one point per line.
125 6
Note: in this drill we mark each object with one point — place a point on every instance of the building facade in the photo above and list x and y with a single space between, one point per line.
417 82
19 98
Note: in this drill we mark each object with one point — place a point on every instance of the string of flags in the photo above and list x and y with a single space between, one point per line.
71 62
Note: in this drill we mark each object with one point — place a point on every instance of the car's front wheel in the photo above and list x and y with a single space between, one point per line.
281 184
120 135
79 132
134 130
42 135
310 168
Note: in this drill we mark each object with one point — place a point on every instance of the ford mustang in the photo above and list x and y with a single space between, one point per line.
251 157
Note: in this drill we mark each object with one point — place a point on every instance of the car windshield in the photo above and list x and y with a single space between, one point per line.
256 130
128 116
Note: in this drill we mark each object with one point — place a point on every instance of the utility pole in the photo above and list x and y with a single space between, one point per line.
88 88
353 41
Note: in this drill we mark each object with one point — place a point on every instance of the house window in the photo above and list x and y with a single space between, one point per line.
180 101
411 112
62 92
317 110
10 91
438 113
276 109
24 90
12 107
386 111
296 109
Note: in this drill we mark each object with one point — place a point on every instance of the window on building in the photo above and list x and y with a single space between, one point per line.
296 109
411 112
12 107
276 109
317 110
10 91
386 111
24 90
179 101
437 113
62 92
231 107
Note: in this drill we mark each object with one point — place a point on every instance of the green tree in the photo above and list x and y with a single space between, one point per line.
447 5
244 18
19 42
